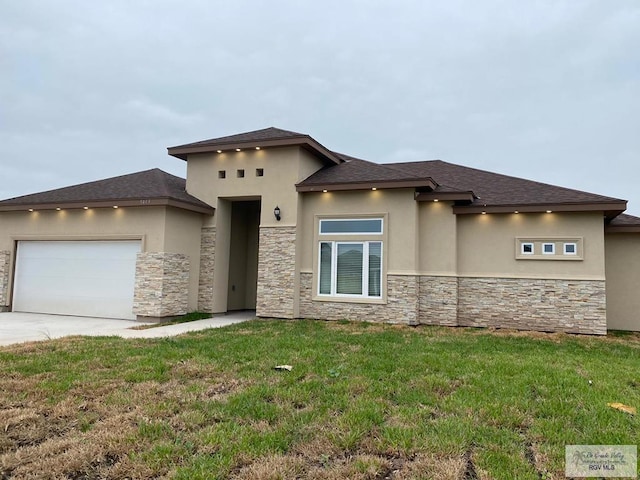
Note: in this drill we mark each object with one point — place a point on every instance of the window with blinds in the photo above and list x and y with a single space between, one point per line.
352 269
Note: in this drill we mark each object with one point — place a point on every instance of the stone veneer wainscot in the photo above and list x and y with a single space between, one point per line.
5 272
439 300
401 305
162 284
207 264
572 306
276 272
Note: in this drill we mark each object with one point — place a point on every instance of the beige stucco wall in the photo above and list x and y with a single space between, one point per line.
182 235
438 239
622 253
142 222
399 207
160 229
282 167
486 245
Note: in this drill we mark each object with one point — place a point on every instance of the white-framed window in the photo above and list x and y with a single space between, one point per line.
549 248
351 226
570 248
527 248
350 269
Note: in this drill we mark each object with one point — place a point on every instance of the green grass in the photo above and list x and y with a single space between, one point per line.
362 401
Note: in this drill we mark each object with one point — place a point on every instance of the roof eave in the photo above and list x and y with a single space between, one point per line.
367 185
622 229
305 142
444 196
610 209
141 202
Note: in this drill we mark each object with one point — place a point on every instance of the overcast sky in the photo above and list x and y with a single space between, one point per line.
546 90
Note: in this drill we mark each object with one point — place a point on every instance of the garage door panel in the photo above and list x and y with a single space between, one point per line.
85 278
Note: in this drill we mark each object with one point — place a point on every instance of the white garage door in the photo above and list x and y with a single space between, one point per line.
86 278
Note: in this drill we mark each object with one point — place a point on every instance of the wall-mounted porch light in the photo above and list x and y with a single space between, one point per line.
276 213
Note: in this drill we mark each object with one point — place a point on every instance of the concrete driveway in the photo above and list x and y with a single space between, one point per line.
17 327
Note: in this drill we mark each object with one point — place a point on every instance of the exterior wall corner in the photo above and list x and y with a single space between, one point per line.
162 284
207 265
5 274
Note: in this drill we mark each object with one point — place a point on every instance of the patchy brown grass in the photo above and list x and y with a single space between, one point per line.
359 466
363 401
93 430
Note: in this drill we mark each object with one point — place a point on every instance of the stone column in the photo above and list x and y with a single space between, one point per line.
162 285
5 273
207 264
277 284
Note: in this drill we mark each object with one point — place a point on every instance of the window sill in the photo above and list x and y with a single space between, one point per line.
550 257
373 301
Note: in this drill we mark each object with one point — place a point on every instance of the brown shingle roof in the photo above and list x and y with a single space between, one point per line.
623 223
150 187
482 188
497 189
270 133
354 171
265 138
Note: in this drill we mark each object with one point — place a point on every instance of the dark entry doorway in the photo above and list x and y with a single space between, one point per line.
243 255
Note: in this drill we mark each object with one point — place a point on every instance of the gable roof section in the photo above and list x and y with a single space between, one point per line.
148 188
265 138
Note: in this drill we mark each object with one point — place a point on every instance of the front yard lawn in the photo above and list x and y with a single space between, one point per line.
362 401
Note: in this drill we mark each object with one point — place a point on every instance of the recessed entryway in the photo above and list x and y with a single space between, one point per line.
243 255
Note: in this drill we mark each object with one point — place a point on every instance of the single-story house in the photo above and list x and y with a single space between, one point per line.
274 221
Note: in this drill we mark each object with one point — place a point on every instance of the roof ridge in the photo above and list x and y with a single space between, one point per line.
279 133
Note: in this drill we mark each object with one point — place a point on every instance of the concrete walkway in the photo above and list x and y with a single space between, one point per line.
17 327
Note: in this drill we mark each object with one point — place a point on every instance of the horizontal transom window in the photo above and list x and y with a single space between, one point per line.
360 226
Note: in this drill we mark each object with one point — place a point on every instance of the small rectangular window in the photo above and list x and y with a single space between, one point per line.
549 248
570 248
259 172
527 248
240 173
351 226
222 174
